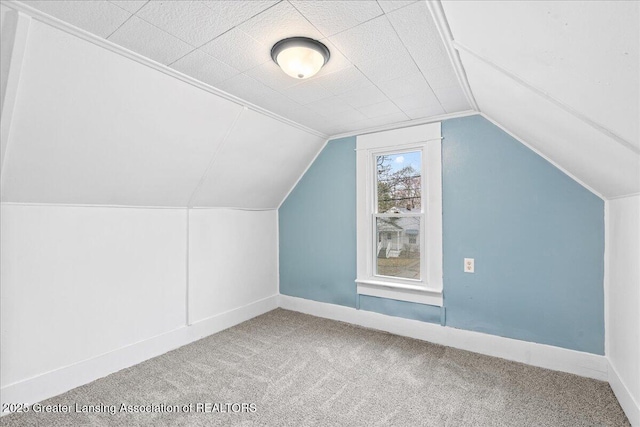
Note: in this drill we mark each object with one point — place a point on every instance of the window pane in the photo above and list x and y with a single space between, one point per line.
398 243
398 182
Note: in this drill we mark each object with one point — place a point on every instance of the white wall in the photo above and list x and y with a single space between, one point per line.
79 282
584 54
93 127
232 259
623 302
562 76
257 165
87 291
7 30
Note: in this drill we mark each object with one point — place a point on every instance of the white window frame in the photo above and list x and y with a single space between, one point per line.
426 139
375 214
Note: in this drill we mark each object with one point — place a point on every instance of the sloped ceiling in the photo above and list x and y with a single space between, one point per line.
388 63
562 76
280 158
93 127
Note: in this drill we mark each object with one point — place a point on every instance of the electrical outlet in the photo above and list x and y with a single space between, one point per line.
469 265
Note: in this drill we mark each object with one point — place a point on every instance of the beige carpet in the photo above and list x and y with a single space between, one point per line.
290 369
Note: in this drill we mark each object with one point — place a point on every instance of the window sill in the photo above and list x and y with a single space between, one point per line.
400 292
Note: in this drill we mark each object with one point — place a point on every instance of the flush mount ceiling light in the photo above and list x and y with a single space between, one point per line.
300 57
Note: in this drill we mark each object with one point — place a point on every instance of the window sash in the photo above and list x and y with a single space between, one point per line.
374 169
421 241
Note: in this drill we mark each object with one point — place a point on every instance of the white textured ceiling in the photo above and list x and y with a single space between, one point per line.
562 76
388 63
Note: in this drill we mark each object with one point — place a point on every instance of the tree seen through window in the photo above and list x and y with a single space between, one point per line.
399 216
399 182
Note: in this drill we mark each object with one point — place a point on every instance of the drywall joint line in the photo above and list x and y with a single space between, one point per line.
544 156
437 12
106 44
605 280
187 303
21 23
190 205
215 156
78 205
278 254
550 98
295 184
626 399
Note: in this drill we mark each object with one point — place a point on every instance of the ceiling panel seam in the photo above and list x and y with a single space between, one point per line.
120 26
159 29
133 13
365 74
214 157
415 63
183 56
356 66
386 96
246 20
339 32
153 25
442 25
628 145
305 18
208 41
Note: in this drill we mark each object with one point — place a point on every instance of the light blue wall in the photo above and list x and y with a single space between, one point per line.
536 235
318 229
409 310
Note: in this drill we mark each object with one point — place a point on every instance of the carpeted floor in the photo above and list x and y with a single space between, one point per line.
290 369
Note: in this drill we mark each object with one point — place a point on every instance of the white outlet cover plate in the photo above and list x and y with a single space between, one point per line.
469 265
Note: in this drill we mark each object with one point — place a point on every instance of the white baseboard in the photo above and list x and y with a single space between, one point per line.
629 405
55 382
541 355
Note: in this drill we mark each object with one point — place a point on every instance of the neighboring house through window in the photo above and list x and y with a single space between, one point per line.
399 214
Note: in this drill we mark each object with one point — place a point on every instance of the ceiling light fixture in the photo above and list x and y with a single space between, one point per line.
300 57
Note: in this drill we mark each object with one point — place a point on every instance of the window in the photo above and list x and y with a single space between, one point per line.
399 214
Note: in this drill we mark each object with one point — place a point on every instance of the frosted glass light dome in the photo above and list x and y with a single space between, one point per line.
300 57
